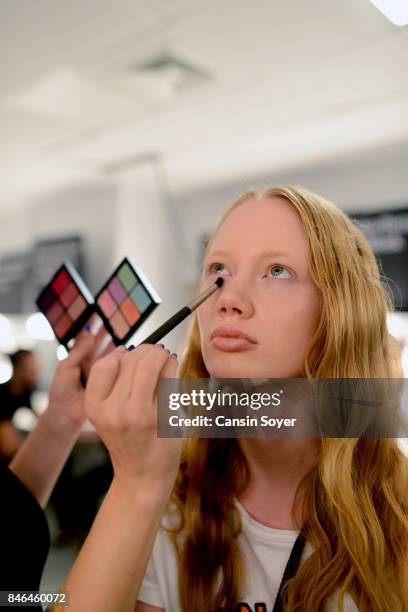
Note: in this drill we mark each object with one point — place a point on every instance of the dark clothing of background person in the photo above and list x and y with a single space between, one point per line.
14 394
10 403
76 498
74 518
24 537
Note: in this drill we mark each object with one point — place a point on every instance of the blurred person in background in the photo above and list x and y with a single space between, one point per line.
78 482
27 482
15 394
74 520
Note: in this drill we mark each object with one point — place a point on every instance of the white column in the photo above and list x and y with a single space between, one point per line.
147 230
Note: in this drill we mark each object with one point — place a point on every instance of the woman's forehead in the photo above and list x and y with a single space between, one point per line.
263 224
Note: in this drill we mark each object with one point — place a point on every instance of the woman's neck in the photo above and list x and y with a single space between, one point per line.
276 470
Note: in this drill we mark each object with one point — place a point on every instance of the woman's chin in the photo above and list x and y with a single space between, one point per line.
235 371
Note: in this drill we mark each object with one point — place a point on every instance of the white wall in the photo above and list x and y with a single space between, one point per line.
372 180
88 210
147 230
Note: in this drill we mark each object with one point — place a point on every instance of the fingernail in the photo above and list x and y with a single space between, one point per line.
121 348
162 345
131 347
174 355
166 349
88 327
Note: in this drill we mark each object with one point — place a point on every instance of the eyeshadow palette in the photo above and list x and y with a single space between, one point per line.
66 302
125 301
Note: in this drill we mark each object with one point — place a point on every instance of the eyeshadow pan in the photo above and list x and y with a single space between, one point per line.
119 325
107 303
77 307
61 281
46 300
66 302
130 311
117 290
125 301
54 313
140 297
127 277
69 294
63 325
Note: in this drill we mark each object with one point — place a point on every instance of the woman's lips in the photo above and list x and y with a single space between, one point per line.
231 343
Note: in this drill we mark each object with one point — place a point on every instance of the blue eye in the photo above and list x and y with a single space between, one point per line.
216 268
213 266
278 266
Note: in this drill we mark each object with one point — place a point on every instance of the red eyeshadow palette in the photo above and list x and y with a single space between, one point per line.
66 302
125 301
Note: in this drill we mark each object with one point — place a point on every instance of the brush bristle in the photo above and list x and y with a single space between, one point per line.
219 282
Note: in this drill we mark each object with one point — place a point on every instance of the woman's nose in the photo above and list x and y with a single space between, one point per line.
233 297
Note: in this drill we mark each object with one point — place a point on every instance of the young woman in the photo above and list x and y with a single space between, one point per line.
302 285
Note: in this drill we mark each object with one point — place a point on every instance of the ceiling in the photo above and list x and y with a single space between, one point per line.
218 89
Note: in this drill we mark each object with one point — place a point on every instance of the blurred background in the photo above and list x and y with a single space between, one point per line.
127 127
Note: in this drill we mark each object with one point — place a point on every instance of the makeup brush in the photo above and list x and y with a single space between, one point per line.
181 314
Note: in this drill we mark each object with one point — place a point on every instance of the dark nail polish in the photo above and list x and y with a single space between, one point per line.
174 355
162 345
88 327
131 347
166 349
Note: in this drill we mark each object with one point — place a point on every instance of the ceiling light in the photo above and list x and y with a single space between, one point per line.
8 342
6 370
395 10
38 327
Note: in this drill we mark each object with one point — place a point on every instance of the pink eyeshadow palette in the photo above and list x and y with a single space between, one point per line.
126 301
66 302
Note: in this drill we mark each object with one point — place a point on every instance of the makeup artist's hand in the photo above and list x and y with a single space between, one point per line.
67 392
121 402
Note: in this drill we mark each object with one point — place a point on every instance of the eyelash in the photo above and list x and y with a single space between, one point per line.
211 266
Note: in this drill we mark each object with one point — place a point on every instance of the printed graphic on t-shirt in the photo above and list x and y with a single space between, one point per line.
242 606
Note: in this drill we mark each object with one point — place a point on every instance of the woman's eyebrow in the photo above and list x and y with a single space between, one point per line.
260 255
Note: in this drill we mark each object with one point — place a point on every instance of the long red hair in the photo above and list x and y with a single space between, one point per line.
355 498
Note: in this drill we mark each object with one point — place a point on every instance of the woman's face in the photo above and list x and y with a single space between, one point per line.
261 253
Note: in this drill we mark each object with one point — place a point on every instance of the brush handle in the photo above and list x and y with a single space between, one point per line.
167 326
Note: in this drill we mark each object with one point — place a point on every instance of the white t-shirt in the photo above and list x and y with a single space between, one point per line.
265 552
